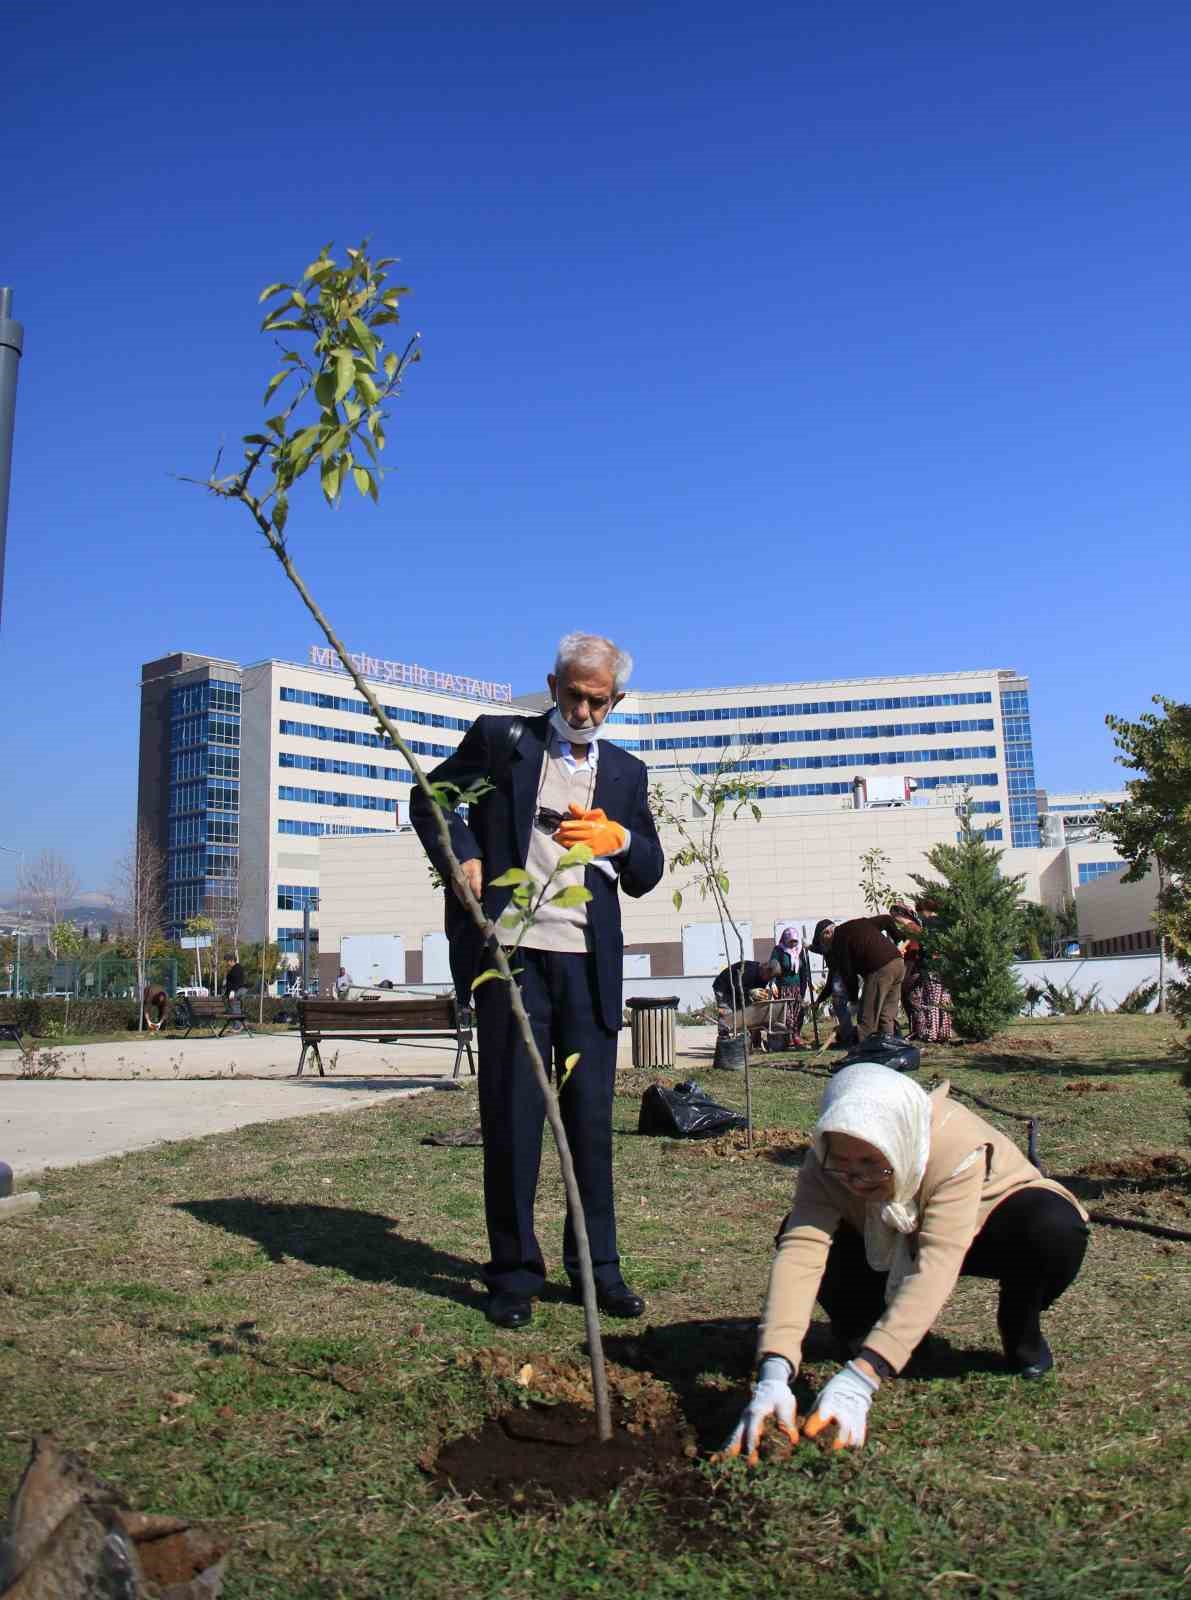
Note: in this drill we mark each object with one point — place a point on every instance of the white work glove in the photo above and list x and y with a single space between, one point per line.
771 1397
844 1400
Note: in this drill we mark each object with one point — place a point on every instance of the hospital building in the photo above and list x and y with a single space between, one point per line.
270 788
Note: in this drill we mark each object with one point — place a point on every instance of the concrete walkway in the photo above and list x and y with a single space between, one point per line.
109 1099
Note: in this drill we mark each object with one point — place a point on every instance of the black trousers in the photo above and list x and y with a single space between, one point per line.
559 995
1033 1243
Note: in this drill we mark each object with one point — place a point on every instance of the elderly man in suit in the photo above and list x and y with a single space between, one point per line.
555 782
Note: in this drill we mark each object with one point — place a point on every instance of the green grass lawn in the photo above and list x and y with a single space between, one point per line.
275 1330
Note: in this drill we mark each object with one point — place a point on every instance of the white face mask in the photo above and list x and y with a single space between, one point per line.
564 730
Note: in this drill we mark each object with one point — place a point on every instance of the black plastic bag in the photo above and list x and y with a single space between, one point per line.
883 1051
684 1112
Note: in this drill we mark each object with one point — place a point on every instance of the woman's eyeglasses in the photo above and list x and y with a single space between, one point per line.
548 821
865 1174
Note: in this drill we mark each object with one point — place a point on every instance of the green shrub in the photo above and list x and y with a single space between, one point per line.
54 1019
1140 998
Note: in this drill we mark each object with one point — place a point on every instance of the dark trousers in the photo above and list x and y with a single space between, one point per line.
1033 1243
559 995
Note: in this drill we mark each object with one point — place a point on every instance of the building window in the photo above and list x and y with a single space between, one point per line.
361 708
1089 871
335 797
1019 766
344 769
296 896
820 708
322 830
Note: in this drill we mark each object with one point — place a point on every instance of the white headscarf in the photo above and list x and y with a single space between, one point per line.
890 1112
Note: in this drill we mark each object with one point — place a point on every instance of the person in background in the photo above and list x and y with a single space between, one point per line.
736 982
902 1194
343 984
927 1002
864 950
233 985
791 983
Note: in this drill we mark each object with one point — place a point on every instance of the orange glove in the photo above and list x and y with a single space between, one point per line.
592 828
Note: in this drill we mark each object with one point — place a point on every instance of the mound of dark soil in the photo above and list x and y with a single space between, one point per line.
542 1455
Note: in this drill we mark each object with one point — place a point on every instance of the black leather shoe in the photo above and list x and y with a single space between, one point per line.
509 1310
618 1302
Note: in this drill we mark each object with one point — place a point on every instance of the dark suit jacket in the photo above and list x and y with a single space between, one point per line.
498 827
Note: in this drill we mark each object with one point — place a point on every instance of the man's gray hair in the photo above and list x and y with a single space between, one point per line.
593 650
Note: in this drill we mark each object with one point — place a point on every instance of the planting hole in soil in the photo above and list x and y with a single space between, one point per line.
542 1456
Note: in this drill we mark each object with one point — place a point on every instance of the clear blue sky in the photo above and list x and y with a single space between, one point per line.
779 342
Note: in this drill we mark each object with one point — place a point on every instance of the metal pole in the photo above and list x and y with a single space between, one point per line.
306 950
12 340
8 849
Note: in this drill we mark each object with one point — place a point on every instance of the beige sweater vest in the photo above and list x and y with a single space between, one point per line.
554 928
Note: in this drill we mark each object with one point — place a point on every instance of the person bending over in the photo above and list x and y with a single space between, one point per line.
736 983
901 1194
864 950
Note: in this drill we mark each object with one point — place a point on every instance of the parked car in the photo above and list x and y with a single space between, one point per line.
196 990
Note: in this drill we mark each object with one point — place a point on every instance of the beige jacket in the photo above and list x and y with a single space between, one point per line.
953 1207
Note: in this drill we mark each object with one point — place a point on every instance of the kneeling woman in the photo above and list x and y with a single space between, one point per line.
901 1194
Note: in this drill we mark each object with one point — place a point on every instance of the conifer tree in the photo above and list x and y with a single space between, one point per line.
970 941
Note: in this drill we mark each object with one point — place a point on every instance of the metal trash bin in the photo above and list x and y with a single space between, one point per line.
652 1023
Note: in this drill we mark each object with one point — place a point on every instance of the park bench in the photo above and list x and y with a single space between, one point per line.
409 1021
193 1011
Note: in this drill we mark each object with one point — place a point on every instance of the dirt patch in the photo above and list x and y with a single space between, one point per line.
1085 1086
545 1454
1144 1168
785 1146
1008 1044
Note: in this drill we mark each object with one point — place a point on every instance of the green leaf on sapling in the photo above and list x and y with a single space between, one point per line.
507 879
573 895
577 856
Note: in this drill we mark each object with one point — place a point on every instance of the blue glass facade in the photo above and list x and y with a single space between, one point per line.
806 708
1089 871
203 841
1019 766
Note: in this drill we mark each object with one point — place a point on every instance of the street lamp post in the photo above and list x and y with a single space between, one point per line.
20 855
12 340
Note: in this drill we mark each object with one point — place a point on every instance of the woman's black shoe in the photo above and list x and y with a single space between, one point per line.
1043 1363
